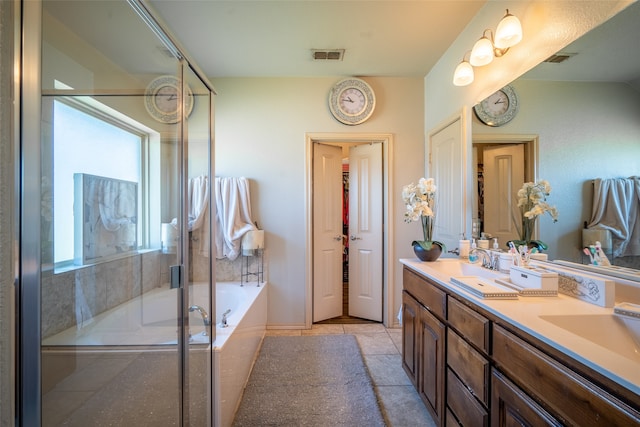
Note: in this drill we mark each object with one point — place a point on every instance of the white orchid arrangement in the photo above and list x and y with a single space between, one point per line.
420 202
532 202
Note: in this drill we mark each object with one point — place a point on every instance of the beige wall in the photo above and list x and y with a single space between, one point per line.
260 133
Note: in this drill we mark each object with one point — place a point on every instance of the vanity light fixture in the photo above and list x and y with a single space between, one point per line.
508 34
464 73
482 52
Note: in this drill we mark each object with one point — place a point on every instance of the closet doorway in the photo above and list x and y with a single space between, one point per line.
348 210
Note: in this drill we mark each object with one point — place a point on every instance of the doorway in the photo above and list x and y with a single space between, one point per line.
347 232
502 163
328 242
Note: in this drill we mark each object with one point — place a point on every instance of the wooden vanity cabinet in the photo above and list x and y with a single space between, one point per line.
423 335
490 372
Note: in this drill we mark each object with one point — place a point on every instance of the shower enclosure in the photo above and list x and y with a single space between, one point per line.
116 157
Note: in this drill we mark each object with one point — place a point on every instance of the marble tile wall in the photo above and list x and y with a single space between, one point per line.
75 296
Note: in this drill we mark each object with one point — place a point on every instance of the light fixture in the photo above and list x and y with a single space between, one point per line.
463 75
489 46
482 52
509 32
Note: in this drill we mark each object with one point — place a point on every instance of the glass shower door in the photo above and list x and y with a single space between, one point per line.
124 273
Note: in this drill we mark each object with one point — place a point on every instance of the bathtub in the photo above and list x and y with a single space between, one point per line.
148 322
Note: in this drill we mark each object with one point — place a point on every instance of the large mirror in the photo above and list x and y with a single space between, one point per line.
578 120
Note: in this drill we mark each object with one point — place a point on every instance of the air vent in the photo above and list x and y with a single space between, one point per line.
327 54
559 57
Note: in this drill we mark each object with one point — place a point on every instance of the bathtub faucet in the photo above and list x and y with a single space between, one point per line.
203 313
223 322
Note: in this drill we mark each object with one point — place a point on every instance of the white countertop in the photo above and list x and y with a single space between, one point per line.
526 312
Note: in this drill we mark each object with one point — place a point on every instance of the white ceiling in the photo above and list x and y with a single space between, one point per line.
265 38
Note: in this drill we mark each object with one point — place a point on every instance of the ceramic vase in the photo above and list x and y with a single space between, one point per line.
427 255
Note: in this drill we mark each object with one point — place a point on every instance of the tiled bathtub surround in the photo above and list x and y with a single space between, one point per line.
77 295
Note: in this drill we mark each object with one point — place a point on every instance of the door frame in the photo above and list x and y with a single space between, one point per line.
531 161
386 140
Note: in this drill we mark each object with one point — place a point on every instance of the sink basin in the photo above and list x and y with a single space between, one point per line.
619 334
455 268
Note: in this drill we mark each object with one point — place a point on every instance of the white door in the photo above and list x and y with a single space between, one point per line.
503 177
365 231
446 166
327 232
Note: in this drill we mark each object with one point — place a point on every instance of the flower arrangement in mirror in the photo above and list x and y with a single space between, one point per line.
420 201
532 202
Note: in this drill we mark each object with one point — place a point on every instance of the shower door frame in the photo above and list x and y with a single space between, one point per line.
28 113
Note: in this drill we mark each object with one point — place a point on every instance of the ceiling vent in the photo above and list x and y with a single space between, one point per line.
327 54
559 57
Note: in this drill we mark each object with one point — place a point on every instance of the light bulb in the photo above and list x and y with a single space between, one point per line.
509 32
482 52
463 74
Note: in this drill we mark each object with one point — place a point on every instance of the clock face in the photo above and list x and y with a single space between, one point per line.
351 101
162 99
498 108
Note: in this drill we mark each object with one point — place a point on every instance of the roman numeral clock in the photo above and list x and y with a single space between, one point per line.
352 101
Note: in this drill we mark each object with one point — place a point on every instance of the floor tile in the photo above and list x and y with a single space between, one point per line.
283 332
363 328
396 337
402 407
386 369
324 330
376 343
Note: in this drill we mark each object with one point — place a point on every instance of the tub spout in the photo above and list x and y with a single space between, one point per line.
205 316
223 322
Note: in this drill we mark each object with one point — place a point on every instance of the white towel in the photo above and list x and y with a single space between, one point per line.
233 215
198 209
616 207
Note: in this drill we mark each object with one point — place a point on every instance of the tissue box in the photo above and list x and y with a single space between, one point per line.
533 277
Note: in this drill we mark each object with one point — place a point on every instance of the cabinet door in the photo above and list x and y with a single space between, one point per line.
510 406
431 355
409 337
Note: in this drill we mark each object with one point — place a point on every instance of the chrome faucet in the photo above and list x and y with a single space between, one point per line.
205 316
489 259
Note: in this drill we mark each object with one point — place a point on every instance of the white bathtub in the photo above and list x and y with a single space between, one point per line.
149 320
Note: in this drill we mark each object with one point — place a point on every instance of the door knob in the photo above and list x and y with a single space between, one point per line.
337 238
353 237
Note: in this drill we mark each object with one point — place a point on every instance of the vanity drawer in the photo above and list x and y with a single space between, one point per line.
472 368
464 406
426 293
471 325
572 398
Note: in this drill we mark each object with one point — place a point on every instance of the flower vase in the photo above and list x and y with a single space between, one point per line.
528 224
431 254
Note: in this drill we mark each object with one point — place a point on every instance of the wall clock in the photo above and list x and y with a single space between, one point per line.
161 99
498 108
352 101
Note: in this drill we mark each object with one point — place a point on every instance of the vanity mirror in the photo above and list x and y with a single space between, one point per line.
581 112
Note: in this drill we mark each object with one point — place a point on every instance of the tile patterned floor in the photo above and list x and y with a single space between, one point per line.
381 349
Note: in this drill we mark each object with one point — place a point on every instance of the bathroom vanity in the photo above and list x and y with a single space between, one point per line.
528 361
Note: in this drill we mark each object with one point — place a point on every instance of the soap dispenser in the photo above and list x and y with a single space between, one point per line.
473 253
496 246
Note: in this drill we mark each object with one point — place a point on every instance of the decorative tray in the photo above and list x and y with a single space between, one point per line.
484 288
627 309
527 292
